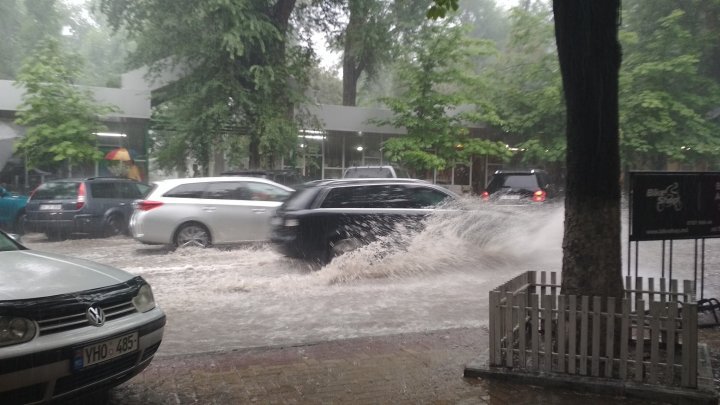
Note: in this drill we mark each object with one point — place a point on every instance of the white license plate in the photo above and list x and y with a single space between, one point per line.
106 350
510 197
46 207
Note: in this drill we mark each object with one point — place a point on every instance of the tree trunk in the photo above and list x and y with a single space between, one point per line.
352 52
589 52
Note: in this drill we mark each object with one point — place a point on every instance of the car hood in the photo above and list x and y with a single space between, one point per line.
26 274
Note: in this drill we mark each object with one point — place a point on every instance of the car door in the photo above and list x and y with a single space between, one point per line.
263 200
241 210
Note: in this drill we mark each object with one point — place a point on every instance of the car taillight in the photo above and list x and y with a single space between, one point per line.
146 205
485 196
80 197
539 196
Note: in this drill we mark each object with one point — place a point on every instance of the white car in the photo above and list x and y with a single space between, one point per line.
201 211
70 326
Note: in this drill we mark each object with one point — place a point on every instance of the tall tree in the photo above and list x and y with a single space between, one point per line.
665 94
435 81
239 76
586 32
527 86
61 119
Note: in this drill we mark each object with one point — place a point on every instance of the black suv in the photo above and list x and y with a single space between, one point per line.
97 205
325 218
521 186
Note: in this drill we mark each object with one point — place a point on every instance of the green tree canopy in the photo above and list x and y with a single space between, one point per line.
435 80
239 74
61 119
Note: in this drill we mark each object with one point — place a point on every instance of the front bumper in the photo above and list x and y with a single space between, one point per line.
42 370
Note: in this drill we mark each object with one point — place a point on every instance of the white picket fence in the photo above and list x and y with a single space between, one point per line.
649 336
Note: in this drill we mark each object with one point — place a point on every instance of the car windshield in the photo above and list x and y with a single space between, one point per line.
7 244
56 191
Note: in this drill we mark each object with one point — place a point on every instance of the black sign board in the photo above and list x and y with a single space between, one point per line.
674 205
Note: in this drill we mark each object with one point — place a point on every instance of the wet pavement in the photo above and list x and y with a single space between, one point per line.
416 368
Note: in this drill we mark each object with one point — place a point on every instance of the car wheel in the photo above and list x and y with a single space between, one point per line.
115 225
192 234
19 226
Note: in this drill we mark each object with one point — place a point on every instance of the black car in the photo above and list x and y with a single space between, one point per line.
95 205
326 218
521 186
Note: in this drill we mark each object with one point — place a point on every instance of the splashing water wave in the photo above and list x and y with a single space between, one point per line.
485 238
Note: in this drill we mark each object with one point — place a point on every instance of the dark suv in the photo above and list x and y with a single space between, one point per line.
325 218
97 205
521 186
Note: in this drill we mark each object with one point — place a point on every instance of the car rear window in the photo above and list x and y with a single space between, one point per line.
521 181
66 190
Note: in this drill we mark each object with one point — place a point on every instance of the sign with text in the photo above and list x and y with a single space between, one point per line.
674 205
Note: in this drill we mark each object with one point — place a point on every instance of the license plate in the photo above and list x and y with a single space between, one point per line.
510 197
46 207
107 350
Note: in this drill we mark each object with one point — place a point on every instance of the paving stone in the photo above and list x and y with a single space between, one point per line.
417 368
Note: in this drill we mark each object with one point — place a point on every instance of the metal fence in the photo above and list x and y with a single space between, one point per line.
648 336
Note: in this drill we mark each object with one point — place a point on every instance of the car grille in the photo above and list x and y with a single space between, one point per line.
78 320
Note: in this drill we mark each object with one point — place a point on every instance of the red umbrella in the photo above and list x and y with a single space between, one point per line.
119 154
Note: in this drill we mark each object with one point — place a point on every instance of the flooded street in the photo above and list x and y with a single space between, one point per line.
247 296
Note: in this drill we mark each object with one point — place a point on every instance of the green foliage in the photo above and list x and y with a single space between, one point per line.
239 74
663 94
441 8
527 86
61 119
437 76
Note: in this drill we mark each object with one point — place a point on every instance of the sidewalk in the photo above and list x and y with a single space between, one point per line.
418 368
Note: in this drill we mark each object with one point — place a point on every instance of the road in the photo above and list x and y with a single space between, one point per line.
249 296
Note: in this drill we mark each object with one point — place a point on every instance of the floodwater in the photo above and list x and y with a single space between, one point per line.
246 296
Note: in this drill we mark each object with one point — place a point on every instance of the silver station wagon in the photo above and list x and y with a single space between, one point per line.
202 211
70 326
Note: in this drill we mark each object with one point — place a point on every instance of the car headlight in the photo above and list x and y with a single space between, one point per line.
144 300
292 222
14 330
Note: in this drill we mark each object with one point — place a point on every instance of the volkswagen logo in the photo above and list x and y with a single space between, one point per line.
95 315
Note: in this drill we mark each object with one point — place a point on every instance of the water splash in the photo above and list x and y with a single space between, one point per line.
478 238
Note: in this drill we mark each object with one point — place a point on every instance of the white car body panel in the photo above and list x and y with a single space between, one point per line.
228 221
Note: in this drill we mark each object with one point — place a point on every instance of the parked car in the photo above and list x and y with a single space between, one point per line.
374 172
12 211
327 218
287 177
520 186
201 211
70 326
96 205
